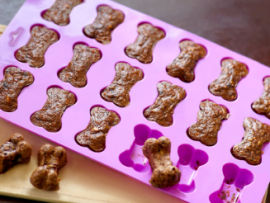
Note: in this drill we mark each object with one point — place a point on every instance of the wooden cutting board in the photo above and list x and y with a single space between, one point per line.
82 180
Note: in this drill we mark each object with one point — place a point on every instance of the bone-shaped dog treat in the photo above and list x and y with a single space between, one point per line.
209 122
14 151
183 66
126 77
225 86
10 87
157 151
60 10
33 52
168 98
50 161
83 58
94 136
262 105
106 21
250 148
49 117
145 43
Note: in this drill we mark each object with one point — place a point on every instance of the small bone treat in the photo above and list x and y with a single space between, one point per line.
209 122
262 105
232 72
168 98
33 52
83 58
60 10
183 66
157 151
143 47
49 117
11 86
250 148
94 136
106 21
50 161
126 77
14 151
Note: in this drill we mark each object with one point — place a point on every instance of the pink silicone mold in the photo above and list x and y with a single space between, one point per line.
201 165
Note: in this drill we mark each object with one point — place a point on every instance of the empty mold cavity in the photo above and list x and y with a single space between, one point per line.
235 181
190 160
134 157
83 58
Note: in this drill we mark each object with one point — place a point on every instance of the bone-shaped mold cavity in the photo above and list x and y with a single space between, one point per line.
262 105
33 52
142 48
184 64
250 148
11 86
94 136
118 91
169 96
49 117
134 157
50 160
232 72
235 181
190 160
60 10
209 122
106 21
83 57
15 151
165 174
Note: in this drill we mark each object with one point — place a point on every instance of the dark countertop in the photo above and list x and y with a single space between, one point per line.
242 26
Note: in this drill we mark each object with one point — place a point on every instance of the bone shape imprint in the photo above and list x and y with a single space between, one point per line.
50 161
33 52
144 45
183 66
14 151
262 105
49 117
168 98
83 58
232 72
60 10
10 87
157 151
126 77
250 148
209 122
94 136
106 21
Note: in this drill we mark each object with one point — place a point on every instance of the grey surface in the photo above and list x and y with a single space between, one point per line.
8 9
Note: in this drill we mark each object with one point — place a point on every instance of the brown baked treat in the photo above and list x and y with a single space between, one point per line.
232 72
183 66
209 122
83 58
157 151
49 117
250 148
106 21
14 151
145 43
168 98
33 52
11 86
50 161
60 10
126 77
262 105
94 136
